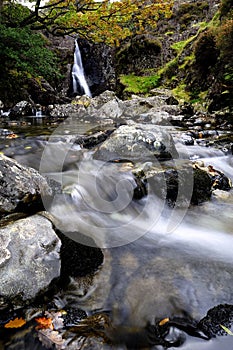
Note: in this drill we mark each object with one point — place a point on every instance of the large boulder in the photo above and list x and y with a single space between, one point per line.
138 142
21 188
29 251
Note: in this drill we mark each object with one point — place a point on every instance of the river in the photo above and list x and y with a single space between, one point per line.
159 261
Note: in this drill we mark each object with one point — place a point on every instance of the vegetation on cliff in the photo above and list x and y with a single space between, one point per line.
199 68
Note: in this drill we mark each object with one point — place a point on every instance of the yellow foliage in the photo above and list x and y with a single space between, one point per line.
111 22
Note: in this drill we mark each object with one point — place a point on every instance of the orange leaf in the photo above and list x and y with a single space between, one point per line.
44 323
16 323
164 321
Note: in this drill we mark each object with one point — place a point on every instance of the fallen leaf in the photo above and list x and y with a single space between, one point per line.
15 323
44 323
164 321
227 330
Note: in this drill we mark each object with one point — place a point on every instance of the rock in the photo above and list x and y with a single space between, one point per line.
218 179
67 110
110 109
183 185
202 187
103 98
20 187
171 100
224 142
187 109
218 317
106 105
187 139
78 259
42 92
94 138
29 252
138 105
21 109
6 133
157 117
137 142
178 192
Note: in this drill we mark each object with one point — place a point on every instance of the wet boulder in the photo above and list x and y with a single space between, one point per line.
94 137
21 188
183 184
21 109
29 251
137 142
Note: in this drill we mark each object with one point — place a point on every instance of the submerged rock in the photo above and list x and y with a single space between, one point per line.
20 187
29 251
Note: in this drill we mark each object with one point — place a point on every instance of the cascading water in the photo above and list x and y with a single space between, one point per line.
78 75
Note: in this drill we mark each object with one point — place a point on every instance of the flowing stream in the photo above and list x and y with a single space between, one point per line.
159 261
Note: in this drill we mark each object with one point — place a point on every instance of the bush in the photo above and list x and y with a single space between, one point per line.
24 51
224 40
226 8
205 50
24 55
196 8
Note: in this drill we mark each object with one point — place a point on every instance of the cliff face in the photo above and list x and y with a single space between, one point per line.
193 55
190 53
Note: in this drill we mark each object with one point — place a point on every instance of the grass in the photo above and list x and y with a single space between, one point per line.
139 84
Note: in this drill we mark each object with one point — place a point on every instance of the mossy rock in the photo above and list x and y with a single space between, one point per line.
141 53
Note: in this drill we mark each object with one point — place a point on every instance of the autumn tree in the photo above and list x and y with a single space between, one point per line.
104 20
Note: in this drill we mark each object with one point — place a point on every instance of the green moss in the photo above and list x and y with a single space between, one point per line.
136 84
169 33
169 69
187 61
180 93
180 45
228 77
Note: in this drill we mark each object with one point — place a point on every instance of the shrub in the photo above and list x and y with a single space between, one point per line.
224 40
205 50
226 8
25 51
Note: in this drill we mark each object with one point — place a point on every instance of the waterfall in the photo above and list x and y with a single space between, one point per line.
78 73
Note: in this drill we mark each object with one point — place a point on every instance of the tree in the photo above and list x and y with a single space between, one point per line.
105 21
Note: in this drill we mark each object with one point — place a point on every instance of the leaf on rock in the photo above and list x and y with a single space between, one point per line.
164 321
44 323
15 323
227 330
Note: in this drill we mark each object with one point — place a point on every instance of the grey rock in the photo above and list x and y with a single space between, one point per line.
137 142
29 257
67 110
20 187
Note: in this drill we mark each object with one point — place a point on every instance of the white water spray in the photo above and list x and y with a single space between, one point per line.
78 73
